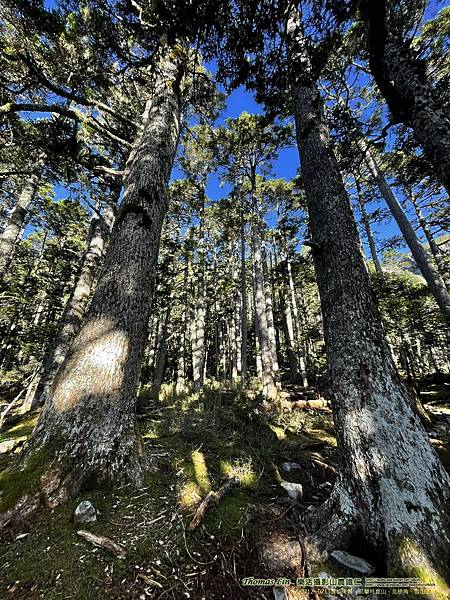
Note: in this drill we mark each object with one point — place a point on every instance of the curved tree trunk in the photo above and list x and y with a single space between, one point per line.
429 272
391 489
72 317
16 221
408 92
87 427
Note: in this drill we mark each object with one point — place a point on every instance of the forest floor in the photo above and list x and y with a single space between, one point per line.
197 441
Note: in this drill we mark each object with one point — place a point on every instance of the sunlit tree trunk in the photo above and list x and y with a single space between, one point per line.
244 334
392 489
88 423
434 248
71 319
269 377
16 220
368 230
297 326
430 274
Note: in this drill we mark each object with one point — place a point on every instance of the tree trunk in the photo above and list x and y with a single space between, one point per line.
368 230
244 335
198 330
161 355
87 426
269 377
268 297
434 248
430 274
297 326
392 488
16 221
408 92
72 317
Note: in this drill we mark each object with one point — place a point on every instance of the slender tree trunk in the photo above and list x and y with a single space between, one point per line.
198 341
268 297
408 92
88 423
161 355
297 326
72 317
391 489
434 248
368 230
269 376
430 274
16 221
244 335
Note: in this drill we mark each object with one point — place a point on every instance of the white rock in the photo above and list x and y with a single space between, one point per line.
289 466
352 562
85 513
294 490
279 593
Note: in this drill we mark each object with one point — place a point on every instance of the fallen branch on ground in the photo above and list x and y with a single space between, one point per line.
210 499
103 542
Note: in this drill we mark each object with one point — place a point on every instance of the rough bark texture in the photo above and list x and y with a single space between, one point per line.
408 92
430 274
16 221
87 424
72 317
391 488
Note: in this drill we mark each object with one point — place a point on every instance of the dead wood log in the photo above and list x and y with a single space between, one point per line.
211 498
103 542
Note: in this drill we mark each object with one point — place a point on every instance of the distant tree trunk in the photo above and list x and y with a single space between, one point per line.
198 339
16 220
409 94
368 230
268 297
72 317
88 423
392 490
269 377
181 363
297 326
430 274
434 248
161 354
244 334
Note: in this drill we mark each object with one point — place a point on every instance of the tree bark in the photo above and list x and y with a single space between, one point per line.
368 230
297 326
408 92
88 423
430 274
16 221
434 248
392 488
269 376
161 355
243 324
72 317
